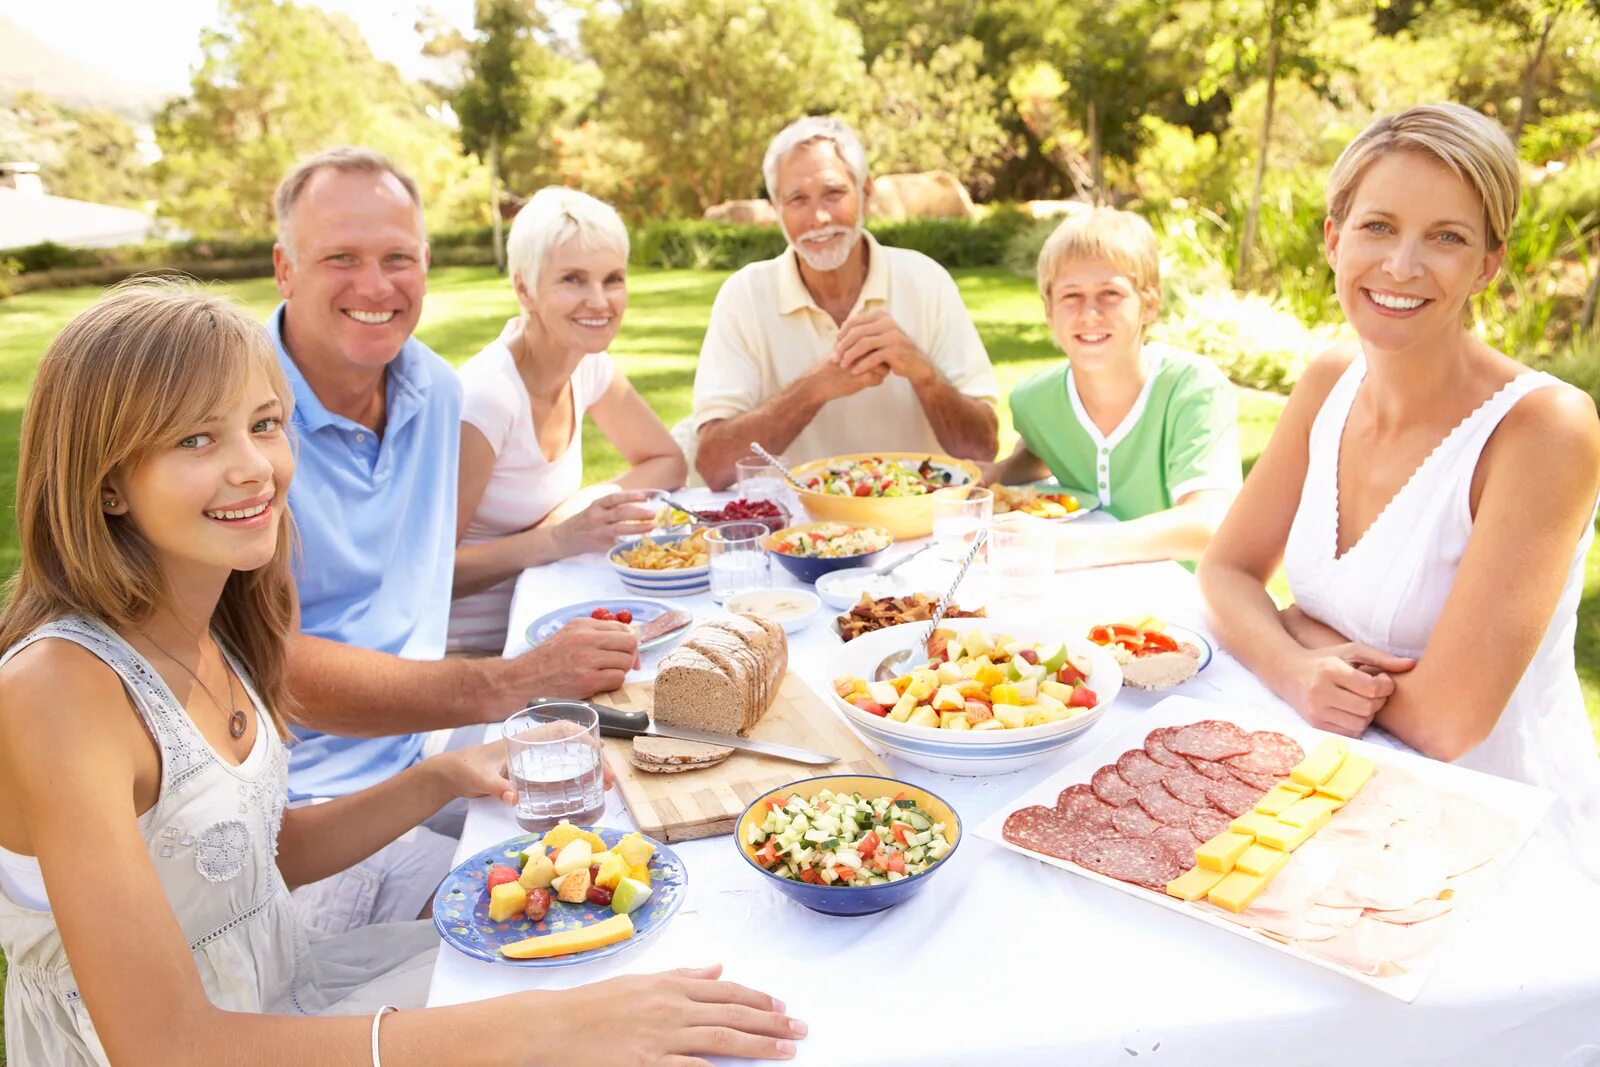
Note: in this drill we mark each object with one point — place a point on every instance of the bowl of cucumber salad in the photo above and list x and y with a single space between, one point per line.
848 844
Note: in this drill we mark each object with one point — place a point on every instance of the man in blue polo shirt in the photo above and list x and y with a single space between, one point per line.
377 430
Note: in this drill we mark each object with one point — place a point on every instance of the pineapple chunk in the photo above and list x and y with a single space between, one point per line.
903 707
641 873
507 900
635 850
923 684
613 868
1005 693
948 698
924 716
948 720
1012 716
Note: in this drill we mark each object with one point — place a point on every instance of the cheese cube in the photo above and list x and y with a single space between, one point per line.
1194 884
1288 838
1321 764
1349 778
1278 798
1237 890
1219 853
1252 823
1309 810
1262 860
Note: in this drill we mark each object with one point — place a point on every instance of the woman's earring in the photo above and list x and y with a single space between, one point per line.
109 502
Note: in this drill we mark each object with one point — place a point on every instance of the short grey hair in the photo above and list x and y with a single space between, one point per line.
810 130
345 158
554 215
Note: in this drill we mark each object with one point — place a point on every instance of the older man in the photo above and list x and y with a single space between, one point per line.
377 421
840 344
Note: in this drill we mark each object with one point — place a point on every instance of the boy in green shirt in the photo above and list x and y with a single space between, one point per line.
1147 430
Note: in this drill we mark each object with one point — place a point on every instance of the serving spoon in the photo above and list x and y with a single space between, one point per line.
891 667
776 462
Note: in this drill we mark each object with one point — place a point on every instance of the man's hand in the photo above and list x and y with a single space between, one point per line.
873 339
584 657
835 382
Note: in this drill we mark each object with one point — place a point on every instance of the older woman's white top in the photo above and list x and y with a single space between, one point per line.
1389 588
524 486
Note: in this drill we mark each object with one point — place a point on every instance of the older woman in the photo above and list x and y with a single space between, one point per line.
525 396
1436 588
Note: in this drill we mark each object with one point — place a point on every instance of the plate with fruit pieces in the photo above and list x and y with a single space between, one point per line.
1047 501
569 895
656 623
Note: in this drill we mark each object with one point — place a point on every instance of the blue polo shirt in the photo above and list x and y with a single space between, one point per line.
376 518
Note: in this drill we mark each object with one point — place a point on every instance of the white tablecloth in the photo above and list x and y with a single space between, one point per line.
1002 960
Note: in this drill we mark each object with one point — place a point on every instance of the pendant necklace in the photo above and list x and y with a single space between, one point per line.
238 721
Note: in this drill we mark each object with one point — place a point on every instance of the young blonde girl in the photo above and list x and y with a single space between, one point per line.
145 851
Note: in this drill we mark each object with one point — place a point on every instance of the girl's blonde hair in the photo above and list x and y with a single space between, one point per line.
1472 145
1121 238
124 378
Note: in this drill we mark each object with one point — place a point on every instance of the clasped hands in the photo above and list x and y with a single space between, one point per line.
1339 685
870 346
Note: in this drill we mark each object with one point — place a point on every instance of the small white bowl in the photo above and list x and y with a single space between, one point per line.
793 609
834 588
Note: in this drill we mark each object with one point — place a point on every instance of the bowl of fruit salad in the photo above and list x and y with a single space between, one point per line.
888 489
812 549
848 844
990 696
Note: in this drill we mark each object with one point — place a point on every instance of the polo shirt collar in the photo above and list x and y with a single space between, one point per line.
1151 354
402 381
794 296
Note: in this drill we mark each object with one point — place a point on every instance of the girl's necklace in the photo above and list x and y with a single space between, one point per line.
238 721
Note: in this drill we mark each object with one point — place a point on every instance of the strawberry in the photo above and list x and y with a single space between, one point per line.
500 874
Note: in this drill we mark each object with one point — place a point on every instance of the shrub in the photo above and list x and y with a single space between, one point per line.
1256 341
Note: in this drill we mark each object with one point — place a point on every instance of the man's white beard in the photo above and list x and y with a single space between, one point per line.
827 259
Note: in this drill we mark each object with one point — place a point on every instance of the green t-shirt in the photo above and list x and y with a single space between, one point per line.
1182 434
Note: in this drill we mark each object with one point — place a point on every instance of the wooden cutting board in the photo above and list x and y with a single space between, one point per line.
705 803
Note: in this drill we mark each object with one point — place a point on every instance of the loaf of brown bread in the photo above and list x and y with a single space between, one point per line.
724 676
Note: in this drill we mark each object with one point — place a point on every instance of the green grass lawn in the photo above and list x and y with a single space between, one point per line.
660 340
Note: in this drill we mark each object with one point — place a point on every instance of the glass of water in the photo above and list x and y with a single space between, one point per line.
553 756
739 559
959 512
1022 559
760 480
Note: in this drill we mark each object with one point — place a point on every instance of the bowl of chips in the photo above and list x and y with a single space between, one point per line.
664 566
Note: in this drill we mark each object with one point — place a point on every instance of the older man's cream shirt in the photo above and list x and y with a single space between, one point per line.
766 331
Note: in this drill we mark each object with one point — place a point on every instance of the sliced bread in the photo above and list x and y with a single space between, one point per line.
677 752
692 690
670 768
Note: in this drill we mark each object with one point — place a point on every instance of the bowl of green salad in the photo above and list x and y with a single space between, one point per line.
848 844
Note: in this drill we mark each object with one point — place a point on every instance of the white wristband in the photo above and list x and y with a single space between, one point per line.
377 1019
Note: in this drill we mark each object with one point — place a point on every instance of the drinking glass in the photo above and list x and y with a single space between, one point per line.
738 558
758 479
1022 559
553 757
959 512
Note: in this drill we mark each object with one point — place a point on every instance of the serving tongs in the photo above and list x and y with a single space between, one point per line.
894 663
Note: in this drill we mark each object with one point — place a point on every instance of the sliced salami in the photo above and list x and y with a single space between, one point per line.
1155 746
1163 807
1233 796
1138 769
1271 754
1180 840
1132 821
1211 739
1143 862
1040 829
1262 782
1217 772
1079 806
1112 788
1188 785
1208 823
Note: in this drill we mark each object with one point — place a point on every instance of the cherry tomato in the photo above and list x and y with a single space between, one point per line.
600 613
863 490
624 616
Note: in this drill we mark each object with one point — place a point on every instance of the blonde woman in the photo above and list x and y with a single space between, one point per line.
145 849
1431 499
524 398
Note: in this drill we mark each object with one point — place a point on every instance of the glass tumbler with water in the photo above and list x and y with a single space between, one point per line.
1022 559
959 512
739 558
553 756
760 480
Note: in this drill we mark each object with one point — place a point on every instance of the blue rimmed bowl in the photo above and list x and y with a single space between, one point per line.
971 753
850 899
809 568
679 581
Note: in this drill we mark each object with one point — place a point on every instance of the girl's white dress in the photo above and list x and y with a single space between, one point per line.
213 838
1389 588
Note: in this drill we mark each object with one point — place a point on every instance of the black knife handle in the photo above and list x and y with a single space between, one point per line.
614 722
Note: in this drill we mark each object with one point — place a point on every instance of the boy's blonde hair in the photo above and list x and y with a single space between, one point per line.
125 377
1121 238
1472 145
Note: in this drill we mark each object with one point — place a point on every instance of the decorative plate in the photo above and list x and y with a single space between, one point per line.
461 906
643 609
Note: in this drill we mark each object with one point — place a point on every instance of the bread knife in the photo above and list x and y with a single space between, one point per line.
617 723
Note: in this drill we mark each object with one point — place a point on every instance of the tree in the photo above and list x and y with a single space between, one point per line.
703 85
277 82
938 114
88 154
504 63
